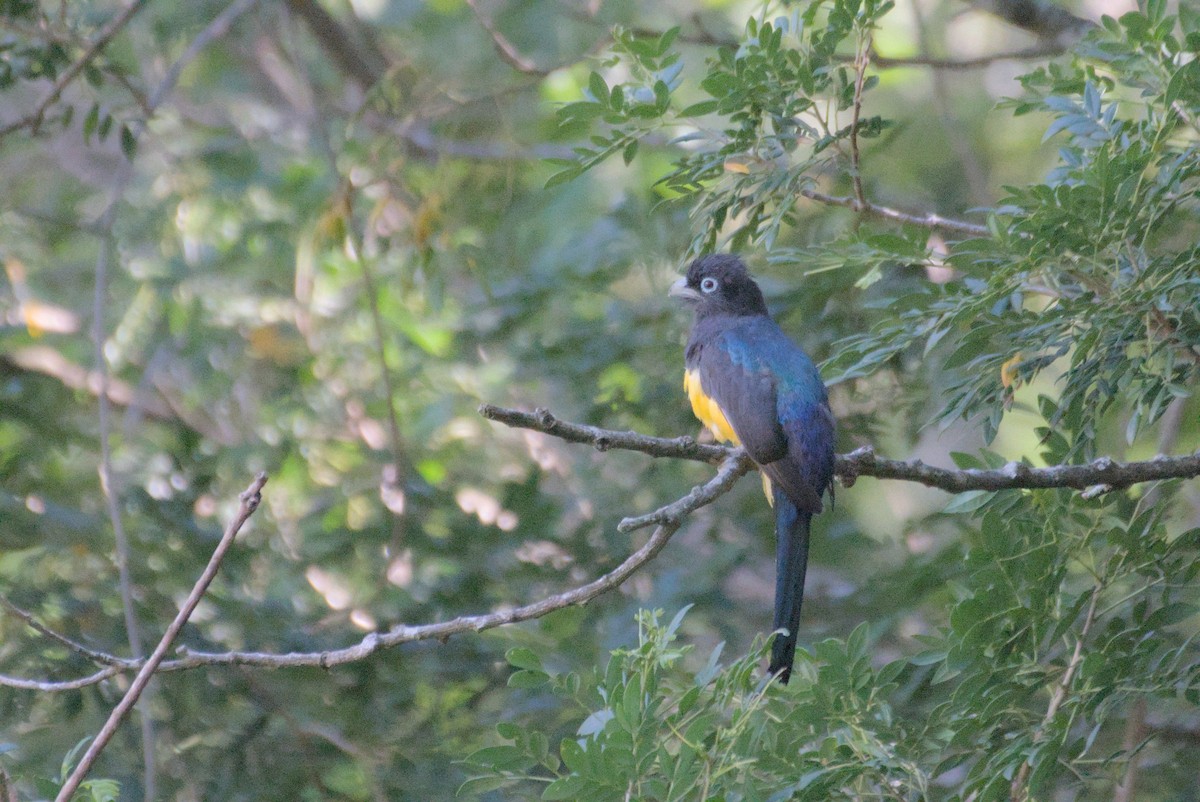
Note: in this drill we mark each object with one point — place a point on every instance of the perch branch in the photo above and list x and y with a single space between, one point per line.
864 462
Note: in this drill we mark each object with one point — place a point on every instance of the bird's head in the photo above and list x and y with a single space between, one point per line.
718 284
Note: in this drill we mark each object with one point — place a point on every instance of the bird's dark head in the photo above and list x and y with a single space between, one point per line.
718 284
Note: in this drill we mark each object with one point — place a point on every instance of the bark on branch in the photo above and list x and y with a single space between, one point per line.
1101 473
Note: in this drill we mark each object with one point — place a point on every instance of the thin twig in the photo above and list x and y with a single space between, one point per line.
34 119
250 499
506 49
1019 789
929 220
109 485
357 57
954 130
52 686
973 63
379 332
735 466
864 462
91 654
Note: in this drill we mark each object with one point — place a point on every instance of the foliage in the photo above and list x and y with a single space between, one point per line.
653 731
321 264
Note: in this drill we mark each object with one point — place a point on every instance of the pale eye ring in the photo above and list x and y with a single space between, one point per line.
708 284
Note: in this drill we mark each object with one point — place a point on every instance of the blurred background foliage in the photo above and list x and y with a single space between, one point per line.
350 223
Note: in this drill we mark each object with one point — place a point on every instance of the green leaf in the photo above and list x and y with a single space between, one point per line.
523 657
477 786
700 109
967 502
503 757
598 88
572 755
629 152
1171 614
527 679
564 788
128 143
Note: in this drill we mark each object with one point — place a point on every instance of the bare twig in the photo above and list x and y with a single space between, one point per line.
974 63
929 220
109 486
1019 788
379 330
250 499
34 119
216 29
73 645
735 466
864 462
507 51
47 361
50 686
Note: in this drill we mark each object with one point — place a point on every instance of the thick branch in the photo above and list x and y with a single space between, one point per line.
863 462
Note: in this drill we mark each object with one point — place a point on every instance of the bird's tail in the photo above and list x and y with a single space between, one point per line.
791 561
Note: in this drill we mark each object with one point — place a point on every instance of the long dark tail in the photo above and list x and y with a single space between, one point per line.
791 561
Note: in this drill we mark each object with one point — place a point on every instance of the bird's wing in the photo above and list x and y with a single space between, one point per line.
745 394
788 440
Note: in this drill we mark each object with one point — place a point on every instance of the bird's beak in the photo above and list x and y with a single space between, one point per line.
680 289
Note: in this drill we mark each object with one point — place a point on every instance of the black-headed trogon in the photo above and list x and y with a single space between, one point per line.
751 385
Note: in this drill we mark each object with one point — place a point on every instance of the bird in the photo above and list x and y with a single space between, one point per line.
751 385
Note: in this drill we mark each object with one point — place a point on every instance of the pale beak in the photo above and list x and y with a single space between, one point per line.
680 289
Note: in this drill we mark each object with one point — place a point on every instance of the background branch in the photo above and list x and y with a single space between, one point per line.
929 220
34 118
733 467
250 499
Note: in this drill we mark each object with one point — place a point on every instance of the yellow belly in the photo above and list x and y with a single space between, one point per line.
714 419
707 410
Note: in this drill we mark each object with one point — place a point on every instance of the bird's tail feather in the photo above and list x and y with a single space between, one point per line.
791 561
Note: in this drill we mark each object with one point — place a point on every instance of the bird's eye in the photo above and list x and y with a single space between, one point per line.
708 285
